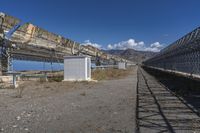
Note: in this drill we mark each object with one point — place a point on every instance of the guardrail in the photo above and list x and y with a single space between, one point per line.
104 66
110 66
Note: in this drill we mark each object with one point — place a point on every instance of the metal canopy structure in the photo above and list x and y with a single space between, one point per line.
29 42
181 56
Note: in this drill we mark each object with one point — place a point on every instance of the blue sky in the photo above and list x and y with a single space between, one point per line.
115 24
120 23
107 22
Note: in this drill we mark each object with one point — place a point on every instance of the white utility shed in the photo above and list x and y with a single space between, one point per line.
121 65
77 68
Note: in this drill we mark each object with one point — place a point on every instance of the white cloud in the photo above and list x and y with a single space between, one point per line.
131 43
155 47
87 42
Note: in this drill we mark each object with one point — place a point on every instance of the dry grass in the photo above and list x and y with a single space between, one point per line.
111 73
55 79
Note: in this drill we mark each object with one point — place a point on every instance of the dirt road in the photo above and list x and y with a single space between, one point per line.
103 107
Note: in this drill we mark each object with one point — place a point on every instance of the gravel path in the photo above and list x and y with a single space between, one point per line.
103 107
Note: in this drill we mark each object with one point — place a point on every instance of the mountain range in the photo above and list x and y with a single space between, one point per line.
132 55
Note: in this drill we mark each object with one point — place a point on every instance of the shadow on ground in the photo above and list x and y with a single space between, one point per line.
160 110
184 87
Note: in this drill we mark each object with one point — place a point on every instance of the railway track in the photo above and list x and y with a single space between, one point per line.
159 110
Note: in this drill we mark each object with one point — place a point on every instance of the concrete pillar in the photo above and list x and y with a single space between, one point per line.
6 60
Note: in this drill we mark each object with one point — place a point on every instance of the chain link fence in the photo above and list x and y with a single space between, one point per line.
182 55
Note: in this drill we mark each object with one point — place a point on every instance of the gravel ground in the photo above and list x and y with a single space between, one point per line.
104 107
